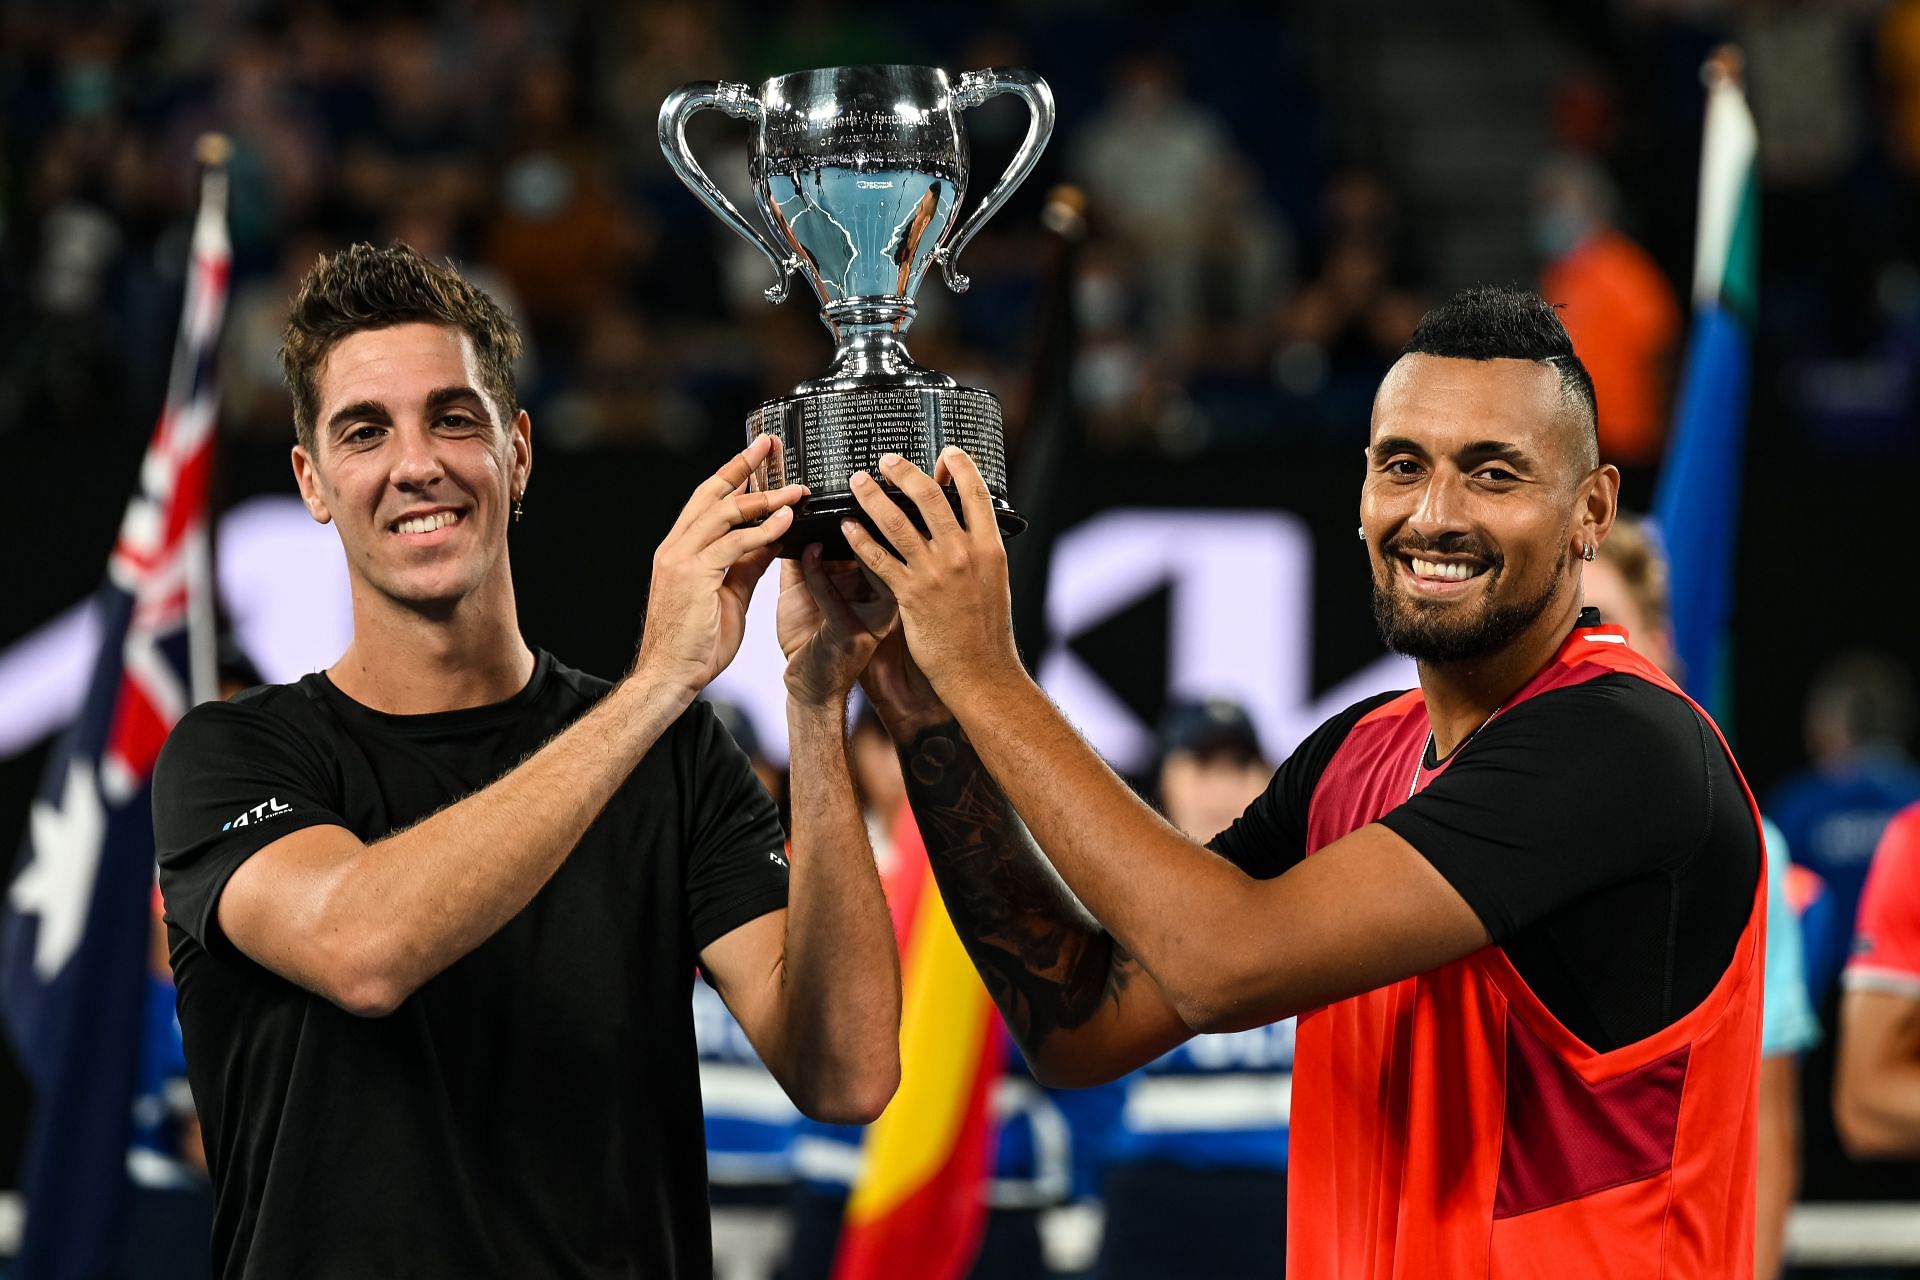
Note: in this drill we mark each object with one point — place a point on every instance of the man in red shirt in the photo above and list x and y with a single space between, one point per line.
1517 909
1876 1097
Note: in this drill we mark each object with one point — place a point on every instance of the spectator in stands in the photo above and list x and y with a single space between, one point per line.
1858 718
1619 309
1196 1182
1355 309
1143 158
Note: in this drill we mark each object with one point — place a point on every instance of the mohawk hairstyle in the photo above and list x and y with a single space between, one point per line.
362 287
1494 322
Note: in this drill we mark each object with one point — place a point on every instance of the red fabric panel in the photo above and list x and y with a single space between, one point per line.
1566 1138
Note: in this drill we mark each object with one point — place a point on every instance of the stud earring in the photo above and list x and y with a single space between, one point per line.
1587 552
1362 531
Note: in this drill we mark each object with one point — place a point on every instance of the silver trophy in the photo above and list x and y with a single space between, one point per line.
859 173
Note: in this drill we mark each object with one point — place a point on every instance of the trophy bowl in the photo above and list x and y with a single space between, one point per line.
859 173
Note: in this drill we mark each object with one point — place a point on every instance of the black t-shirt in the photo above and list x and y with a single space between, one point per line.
533 1110
1598 830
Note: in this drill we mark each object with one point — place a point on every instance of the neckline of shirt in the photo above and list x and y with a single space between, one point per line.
433 722
1588 619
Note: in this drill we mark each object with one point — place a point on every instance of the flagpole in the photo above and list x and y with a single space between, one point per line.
214 152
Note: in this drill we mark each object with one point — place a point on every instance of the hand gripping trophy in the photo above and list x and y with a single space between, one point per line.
859 173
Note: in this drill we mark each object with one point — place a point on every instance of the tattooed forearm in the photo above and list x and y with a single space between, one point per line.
1045 961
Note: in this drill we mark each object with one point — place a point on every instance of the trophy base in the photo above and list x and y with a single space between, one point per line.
826 436
817 519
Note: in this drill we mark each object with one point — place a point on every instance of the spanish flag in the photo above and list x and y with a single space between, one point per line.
918 1207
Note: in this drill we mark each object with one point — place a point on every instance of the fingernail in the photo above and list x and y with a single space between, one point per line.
860 477
848 526
891 459
950 449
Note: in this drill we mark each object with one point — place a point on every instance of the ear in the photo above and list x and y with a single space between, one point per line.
307 476
520 440
1597 505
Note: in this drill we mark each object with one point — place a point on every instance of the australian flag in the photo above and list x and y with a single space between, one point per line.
74 938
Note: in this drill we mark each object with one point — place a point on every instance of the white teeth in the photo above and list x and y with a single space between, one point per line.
427 524
1451 572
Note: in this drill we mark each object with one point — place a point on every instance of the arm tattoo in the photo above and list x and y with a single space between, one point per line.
1045 961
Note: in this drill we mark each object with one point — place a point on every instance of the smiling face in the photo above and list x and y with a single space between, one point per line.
414 466
1476 506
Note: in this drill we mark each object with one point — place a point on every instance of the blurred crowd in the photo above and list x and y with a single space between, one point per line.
1255 258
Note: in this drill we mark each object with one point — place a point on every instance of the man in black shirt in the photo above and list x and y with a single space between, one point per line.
434 911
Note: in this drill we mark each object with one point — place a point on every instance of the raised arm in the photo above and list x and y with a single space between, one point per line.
816 987
1082 1009
365 924
1228 951
1876 1093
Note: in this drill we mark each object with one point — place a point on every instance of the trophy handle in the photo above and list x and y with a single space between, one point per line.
972 89
736 100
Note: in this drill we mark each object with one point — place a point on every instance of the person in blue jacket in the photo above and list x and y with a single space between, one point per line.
1196 1168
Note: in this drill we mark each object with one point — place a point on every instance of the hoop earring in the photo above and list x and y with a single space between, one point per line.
1587 552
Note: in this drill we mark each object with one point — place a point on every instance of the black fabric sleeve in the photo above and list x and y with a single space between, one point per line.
1271 836
736 860
1567 794
231 780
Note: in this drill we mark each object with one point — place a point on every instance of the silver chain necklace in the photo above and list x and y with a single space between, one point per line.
1413 783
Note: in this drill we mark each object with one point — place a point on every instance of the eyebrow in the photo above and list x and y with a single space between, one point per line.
1504 450
1479 450
373 410
444 396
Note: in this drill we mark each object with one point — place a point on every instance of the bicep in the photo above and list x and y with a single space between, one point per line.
1879 1038
1365 911
273 908
1877 1076
746 965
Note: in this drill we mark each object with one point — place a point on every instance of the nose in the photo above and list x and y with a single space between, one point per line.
416 462
1442 508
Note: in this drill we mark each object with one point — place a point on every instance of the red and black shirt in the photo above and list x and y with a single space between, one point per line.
1586 1080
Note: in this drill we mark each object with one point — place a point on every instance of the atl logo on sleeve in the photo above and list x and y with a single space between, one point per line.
268 808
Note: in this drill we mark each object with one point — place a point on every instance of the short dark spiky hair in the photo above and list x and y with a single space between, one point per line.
1494 322
362 287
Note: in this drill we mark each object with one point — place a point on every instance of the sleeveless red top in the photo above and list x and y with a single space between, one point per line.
1448 1125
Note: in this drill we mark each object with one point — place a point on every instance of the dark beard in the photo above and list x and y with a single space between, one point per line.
1443 633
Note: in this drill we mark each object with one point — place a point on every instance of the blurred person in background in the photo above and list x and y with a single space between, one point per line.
1627 583
750 1121
1196 1174
446 878
1876 1098
1619 308
1343 329
1141 157
1859 716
